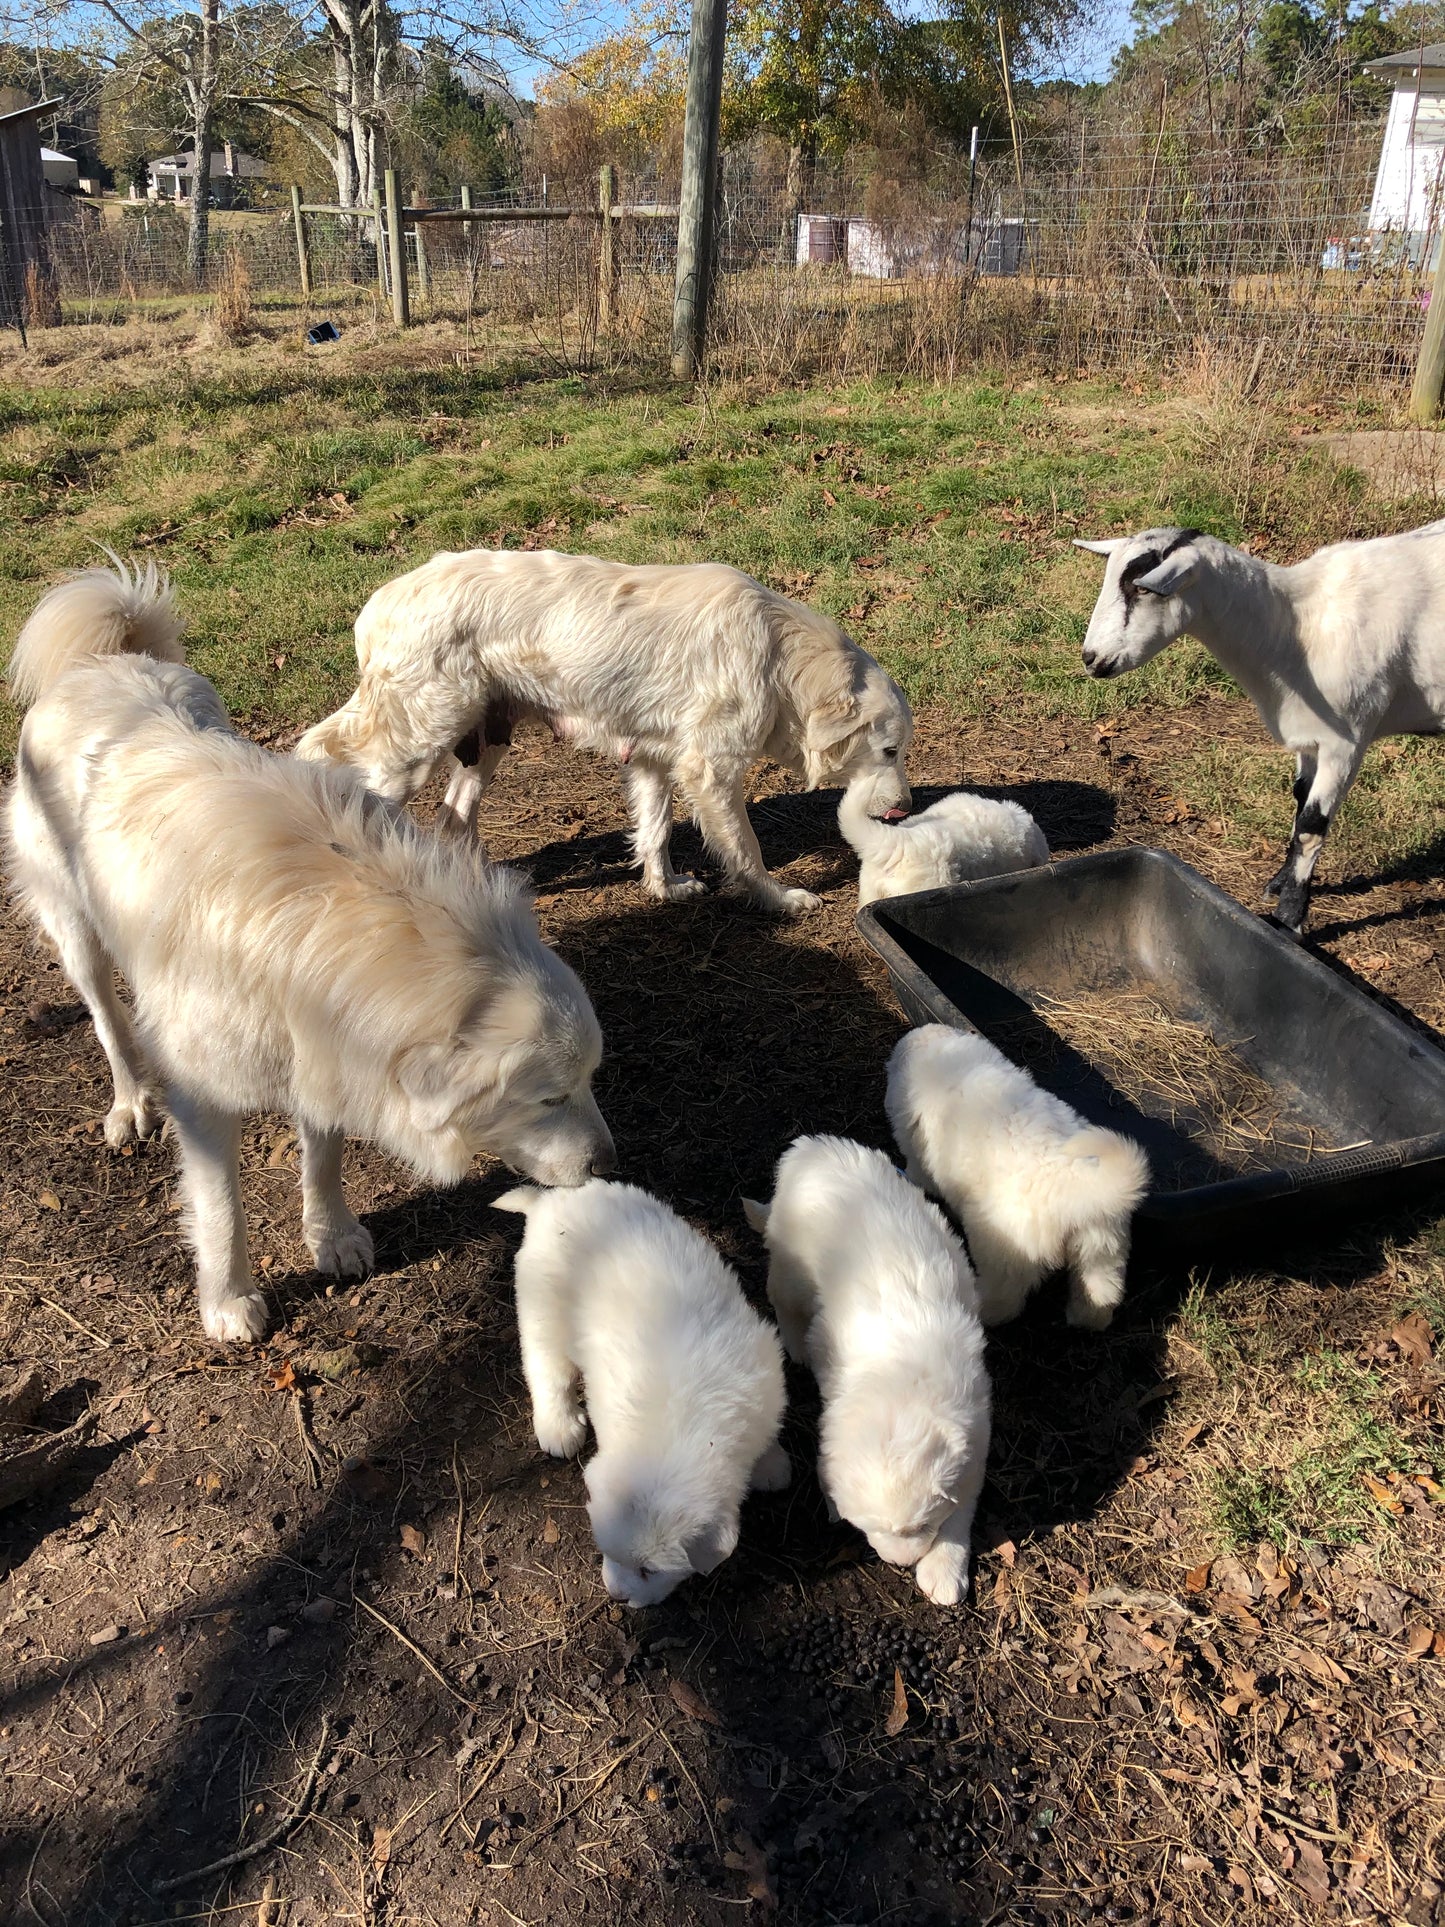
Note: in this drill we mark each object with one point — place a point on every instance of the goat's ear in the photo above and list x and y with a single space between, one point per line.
1101 548
1174 573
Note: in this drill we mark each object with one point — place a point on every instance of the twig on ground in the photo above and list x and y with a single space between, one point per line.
437 1674
309 1447
268 1840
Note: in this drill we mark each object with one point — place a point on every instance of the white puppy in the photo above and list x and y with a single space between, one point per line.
684 1382
1035 1186
954 840
873 1292
687 674
290 943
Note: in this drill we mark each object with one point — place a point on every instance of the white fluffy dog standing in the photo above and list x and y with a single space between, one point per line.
683 1381
687 673
874 1293
290 943
1036 1188
955 840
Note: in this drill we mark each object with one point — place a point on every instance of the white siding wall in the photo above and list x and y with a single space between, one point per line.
1409 176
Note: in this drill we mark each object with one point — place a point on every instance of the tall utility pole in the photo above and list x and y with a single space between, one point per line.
699 187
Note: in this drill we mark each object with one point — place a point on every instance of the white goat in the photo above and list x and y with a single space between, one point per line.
1343 647
954 840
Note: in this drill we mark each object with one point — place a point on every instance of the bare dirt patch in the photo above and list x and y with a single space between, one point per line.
343 1549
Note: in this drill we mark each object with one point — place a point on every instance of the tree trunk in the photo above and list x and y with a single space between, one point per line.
203 103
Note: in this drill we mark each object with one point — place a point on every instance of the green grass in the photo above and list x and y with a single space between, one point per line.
935 522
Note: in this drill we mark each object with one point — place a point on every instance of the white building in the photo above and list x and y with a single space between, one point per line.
1409 187
60 170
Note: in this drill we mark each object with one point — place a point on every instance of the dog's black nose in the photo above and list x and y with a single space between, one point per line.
603 1162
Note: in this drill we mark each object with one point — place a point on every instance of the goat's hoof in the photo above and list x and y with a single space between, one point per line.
1294 931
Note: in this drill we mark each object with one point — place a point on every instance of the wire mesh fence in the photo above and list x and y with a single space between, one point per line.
1102 249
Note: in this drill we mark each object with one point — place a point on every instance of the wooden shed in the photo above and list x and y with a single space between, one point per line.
1406 203
24 251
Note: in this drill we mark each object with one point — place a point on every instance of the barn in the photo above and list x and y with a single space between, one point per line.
1409 188
24 215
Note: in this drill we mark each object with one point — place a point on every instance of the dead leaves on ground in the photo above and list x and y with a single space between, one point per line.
692 1702
898 1712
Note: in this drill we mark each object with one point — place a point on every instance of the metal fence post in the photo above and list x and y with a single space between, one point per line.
423 275
1430 368
607 258
302 255
380 242
396 252
693 287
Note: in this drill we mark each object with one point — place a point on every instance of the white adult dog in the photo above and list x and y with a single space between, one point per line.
955 840
873 1292
1035 1187
290 943
683 1380
688 674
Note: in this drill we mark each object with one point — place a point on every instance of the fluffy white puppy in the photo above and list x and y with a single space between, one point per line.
290 942
954 840
683 1381
873 1292
687 674
1035 1186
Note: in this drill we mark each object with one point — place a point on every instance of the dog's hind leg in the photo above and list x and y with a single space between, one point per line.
136 1107
649 803
557 1415
338 1241
720 806
1097 1259
210 1140
475 761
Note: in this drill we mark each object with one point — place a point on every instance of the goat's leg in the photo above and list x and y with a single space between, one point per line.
719 803
649 804
1305 764
1338 766
339 1243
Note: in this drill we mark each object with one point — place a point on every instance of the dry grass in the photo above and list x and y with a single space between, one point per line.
232 315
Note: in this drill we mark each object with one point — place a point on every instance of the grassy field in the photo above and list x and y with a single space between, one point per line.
1280 1422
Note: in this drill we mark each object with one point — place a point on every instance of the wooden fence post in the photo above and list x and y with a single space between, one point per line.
423 274
1430 368
396 252
693 288
302 255
380 242
607 259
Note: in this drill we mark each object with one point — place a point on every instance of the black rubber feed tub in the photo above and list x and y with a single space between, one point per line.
1356 1111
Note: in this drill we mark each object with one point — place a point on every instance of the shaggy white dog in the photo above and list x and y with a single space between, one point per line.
954 840
687 674
873 1292
291 943
1035 1187
683 1380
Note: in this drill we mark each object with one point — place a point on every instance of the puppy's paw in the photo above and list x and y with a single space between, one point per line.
942 1574
773 1471
561 1434
1084 1315
797 903
238 1320
343 1251
132 1118
676 889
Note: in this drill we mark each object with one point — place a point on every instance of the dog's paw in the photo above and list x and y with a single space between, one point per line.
561 1435
132 1118
798 903
241 1319
773 1471
345 1251
676 889
1084 1315
942 1574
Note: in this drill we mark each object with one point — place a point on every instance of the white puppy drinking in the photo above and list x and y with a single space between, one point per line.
874 1293
1036 1187
955 840
683 1381
290 943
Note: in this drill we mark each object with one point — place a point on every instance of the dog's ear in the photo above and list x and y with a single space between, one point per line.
437 1079
706 1550
756 1214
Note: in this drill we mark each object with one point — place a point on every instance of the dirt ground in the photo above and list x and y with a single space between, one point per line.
334 1573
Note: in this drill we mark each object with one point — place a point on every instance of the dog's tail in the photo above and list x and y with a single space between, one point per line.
522 1198
334 738
1122 1175
756 1214
870 838
118 611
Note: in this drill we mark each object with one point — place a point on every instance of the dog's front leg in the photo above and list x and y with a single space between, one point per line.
720 806
339 1243
210 1140
942 1572
649 803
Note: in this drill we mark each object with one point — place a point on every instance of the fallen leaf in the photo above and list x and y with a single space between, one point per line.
381 1848
1309 1873
1382 1494
748 1858
1420 1639
1007 1551
1233 1607
283 1377
414 1540
1197 1578
550 1534
1414 1338
1239 1878
898 1712
48 1201
692 1702
1319 1666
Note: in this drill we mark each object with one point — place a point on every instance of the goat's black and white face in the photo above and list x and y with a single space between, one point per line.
1145 603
